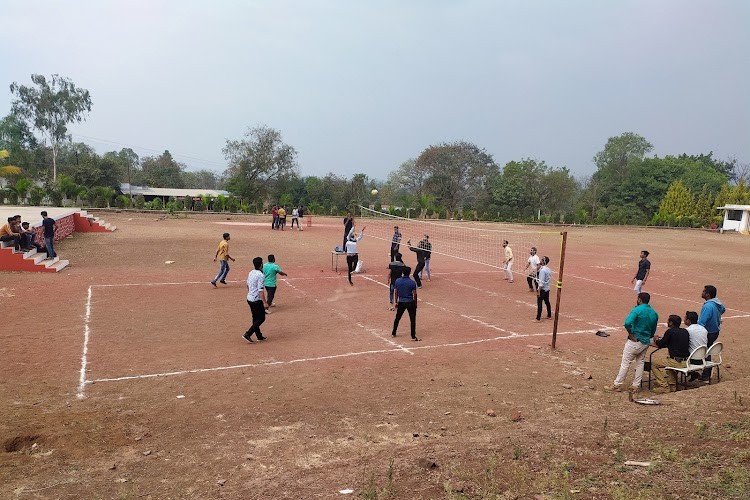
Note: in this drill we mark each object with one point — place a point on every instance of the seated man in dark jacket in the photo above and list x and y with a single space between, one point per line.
677 342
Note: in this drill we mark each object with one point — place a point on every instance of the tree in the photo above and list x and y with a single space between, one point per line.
259 157
162 171
19 142
50 107
678 205
459 174
8 170
704 208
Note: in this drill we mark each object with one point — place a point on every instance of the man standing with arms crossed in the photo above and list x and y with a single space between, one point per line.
222 253
641 326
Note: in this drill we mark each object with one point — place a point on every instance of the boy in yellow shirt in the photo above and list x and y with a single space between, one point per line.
222 253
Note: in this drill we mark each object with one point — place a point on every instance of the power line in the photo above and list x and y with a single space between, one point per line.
152 150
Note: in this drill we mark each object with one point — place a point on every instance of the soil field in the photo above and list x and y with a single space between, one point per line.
125 376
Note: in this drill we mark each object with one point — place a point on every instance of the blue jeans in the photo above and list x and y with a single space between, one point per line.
392 292
223 271
49 242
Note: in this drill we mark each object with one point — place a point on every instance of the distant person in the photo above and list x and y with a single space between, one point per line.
352 255
222 254
348 227
641 327
677 342
395 243
295 217
282 217
255 299
7 233
427 247
49 235
710 319
301 216
543 288
406 300
274 217
644 268
533 268
270 270
394 273
420 263
507 261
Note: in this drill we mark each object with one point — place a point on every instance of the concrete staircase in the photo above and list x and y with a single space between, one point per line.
92 223
29 261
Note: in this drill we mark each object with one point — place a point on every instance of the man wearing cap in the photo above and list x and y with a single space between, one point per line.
395 242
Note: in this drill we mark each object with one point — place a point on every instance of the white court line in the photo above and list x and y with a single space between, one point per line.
84 362
692 301
319 358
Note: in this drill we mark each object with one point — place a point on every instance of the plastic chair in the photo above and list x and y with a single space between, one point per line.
695 362
715 352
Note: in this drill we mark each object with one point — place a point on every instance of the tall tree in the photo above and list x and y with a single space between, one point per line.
50 106
162 171
459 173
260 156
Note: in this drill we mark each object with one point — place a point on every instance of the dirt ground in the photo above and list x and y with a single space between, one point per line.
125 376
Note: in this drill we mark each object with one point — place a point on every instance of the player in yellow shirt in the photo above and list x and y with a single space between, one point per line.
222 254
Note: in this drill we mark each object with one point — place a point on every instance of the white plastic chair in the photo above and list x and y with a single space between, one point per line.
715 352
695 362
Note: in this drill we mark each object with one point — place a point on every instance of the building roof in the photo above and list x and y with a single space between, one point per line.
177 193
734 207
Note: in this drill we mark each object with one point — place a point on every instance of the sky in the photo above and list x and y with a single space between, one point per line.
360 86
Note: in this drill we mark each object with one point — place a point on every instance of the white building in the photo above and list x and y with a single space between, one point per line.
736 218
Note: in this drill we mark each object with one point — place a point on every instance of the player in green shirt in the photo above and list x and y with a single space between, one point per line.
270 270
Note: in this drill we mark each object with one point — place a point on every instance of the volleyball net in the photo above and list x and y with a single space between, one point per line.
478 242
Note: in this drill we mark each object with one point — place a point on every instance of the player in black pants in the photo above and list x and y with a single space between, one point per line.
420 263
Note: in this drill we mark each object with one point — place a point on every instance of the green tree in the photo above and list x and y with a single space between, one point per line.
704 208
259 157
49 106
162 171
20 144
678 204
8 170
459 174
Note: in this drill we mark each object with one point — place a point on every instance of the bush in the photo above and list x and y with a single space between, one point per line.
188 202
140 202
198 206
56 197
157 204
122 201
36 195
232 204
174 206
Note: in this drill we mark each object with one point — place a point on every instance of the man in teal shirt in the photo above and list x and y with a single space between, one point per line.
270 270
641 326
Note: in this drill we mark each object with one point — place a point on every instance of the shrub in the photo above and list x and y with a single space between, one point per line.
232 204
140 202
157 204
36 195
188 202
56 197
199 206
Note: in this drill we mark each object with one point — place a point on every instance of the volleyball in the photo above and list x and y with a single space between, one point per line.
374 192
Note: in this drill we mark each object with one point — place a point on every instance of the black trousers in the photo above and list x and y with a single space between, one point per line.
295 219
394 251
532 280
417 270
351 264
270 293
259 316
15 239
412 308
711 339
543 297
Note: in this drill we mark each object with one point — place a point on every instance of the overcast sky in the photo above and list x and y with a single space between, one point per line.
363 85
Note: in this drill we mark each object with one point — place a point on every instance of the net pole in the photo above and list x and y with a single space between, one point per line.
559 286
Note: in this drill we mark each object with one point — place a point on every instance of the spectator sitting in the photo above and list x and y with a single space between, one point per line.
698 335
10 232
677 342
29 235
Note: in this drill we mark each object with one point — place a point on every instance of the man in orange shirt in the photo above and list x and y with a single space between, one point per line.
222 253
7 233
